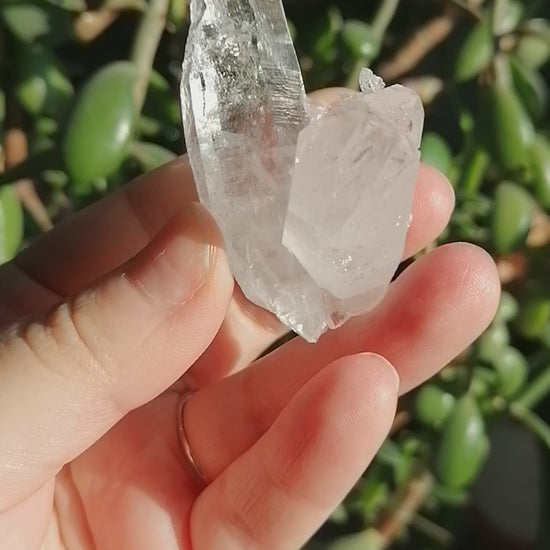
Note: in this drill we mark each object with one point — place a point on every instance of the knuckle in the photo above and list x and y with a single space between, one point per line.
284 470
70 342
240 513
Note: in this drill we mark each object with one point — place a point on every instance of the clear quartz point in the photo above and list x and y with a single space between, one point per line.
313 204
369 82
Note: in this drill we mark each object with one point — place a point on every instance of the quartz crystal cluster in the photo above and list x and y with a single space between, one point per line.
314 204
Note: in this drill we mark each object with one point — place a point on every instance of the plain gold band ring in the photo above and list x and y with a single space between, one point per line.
190 460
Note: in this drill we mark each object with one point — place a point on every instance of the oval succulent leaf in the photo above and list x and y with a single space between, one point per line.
476 52
511 220
505 128
11 223
463 446
436 152
540 170
100 127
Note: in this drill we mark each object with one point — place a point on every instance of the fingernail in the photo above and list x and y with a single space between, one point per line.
176 264
385 365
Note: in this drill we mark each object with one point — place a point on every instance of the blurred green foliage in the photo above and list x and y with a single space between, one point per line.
83 110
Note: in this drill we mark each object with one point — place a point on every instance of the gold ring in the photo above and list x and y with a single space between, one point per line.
190 460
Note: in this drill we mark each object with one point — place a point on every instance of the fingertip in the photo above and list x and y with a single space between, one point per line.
376 368
446 300
438 187
433 204
213 234
479 274
464 272
331 429
364 388
327 96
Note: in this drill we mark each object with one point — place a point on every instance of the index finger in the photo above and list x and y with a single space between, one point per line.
103 236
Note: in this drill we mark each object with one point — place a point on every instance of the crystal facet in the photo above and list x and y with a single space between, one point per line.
313 204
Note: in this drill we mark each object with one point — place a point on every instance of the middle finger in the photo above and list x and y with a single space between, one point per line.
432 312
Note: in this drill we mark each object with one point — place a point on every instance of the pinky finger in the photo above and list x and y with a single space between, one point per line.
277 494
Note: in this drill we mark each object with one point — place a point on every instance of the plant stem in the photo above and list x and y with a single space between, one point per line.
474 172
422 42
90 24
383 17
379 26
401 420
405 508
432 530
536 391
145 47
532 421
352 81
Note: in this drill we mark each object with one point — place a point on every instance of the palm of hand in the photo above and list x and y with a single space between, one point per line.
280 442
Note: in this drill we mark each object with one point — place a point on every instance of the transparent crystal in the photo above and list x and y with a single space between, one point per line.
313 205
351 195
369 82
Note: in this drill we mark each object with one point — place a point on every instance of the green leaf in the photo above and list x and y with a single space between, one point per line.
150 155
512 371
360 40
463 446
457 498
507 15
100 127
70 5
508 308
432 406
475 164
505 128
321 35
511 220
389 453
36 20
160 102
534 317
177 13
531 87
540 170
40 85
11 224
533 47
436 152
476 52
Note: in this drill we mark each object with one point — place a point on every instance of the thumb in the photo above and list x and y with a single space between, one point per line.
67 378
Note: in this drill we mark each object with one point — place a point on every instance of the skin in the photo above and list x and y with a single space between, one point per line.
107 320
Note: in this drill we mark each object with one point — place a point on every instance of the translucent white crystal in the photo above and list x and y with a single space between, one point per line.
351 195
313 206
369 82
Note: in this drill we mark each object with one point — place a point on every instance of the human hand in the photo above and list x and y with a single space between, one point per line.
107 322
